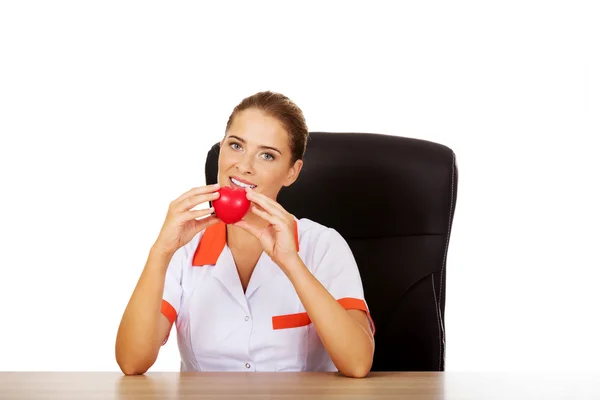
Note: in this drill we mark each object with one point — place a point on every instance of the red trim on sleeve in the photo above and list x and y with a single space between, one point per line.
350 303
168 311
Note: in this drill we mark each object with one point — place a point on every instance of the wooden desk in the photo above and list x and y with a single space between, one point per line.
382 385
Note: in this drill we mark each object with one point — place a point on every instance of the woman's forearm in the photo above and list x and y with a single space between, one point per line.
348 344
140 332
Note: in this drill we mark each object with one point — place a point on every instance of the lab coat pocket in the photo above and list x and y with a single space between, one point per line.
290 340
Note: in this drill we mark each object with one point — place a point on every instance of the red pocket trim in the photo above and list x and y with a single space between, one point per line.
301 319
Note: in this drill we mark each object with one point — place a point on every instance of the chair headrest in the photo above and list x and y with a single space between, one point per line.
368 185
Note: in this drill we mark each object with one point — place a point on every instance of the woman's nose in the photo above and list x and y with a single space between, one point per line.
244 165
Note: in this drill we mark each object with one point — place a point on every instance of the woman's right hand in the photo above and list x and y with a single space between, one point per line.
181 225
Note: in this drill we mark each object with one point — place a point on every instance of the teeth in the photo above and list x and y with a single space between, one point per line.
244 185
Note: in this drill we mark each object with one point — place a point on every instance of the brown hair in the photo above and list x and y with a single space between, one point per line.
287 112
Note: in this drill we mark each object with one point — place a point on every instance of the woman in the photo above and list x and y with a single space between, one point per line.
268 293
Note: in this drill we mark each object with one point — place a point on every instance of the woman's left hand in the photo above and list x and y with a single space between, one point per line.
278 238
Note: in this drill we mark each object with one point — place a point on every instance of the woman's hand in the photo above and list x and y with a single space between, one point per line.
181 225
278 237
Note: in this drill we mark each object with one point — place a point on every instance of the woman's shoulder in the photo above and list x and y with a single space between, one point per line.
309 229
315 237
324 251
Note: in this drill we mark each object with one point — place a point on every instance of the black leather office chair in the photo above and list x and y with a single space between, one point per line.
392 199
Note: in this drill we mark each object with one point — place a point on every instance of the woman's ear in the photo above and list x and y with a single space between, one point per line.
293 173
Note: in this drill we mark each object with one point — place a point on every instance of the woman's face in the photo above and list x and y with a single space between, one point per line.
256 151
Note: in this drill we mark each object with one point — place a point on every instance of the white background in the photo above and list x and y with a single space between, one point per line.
107 110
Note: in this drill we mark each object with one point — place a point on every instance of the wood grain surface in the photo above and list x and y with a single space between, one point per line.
233 385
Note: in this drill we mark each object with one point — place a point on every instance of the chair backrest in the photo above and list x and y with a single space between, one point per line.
392 199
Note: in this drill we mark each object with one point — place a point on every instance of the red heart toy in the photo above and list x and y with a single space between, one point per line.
232 204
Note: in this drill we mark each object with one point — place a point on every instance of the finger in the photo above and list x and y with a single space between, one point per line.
206 222
193 214
266 216
193 201
266 203
196 191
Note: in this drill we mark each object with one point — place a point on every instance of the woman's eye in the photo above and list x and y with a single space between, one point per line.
266 156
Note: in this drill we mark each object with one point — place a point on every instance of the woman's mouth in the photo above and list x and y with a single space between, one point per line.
240 184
